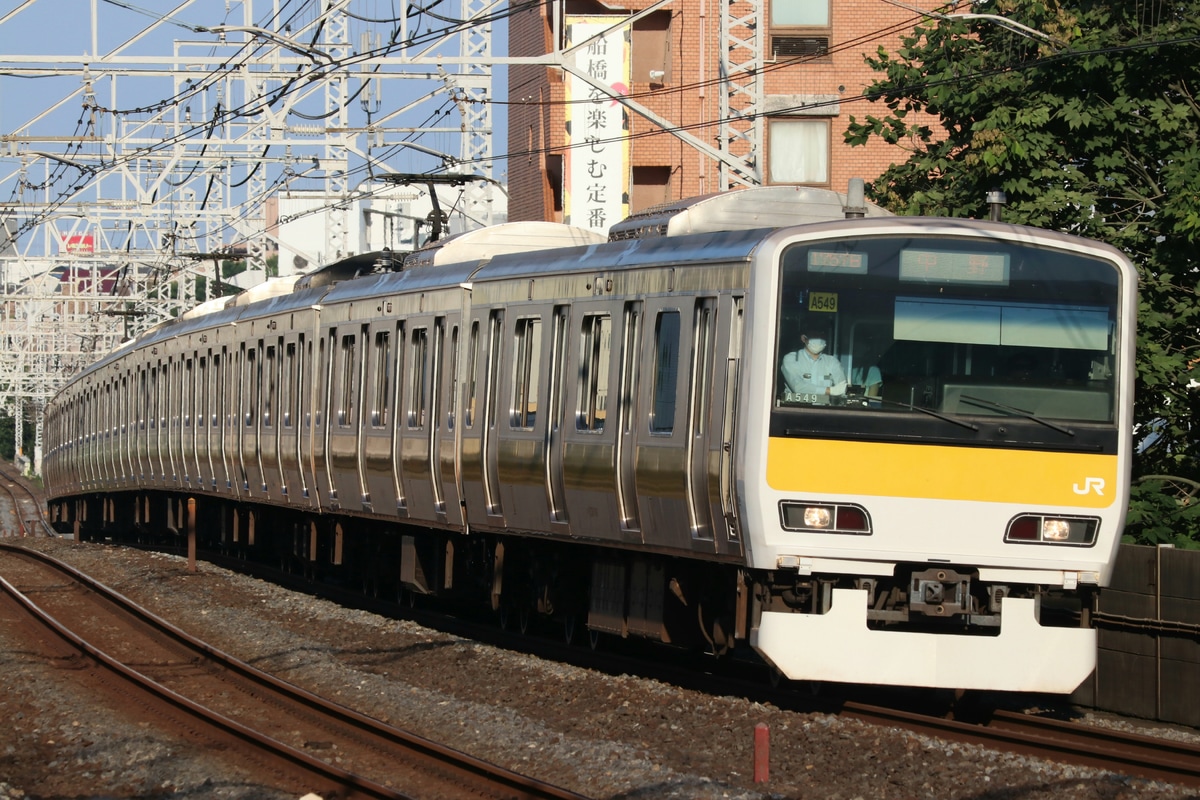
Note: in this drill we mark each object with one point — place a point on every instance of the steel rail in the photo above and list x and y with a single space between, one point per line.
513 785
1104 748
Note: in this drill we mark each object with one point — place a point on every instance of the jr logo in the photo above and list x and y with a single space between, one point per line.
1089 485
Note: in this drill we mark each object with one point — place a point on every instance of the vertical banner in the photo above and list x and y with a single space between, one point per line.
596 173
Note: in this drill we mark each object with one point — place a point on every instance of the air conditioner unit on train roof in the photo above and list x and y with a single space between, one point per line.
744 209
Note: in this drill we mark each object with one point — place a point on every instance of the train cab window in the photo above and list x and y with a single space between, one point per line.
526 368
419 378
666 372
382 369
969 332
595 356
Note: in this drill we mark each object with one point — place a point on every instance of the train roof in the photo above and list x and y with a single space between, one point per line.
760 207
509 237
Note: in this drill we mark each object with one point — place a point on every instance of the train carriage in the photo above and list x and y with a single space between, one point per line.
625 435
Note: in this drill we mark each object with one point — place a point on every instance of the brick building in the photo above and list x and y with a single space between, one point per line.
798 62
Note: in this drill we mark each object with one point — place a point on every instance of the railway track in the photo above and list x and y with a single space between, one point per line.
1150 757
163 666
28 507
1074 743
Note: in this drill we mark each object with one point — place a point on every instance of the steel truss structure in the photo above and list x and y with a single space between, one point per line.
156 141
185 126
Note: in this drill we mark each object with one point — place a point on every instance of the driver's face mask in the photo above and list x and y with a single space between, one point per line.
816 346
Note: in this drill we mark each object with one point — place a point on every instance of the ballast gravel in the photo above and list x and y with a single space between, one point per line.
603 736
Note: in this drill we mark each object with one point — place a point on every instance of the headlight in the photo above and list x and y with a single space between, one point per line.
1047 529
796 515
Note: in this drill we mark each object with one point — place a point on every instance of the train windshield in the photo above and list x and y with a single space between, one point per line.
951 327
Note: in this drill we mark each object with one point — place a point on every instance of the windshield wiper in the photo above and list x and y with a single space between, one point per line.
960 422
1020 412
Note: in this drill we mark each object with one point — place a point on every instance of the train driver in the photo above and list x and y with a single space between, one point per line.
810 375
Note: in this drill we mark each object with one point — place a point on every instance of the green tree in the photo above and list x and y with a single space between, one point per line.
1092 131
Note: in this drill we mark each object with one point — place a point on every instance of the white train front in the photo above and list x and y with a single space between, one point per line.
625 435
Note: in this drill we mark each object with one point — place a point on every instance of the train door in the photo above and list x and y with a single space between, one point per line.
447 486
556 421
320 467
308 377
126 430
221 423
345 418
156 443
162 409
203 391
590 450
376 463
269 423
249 413
490 445
627 420
660 471
422 494
725 397
289 437
698 428
170 429
142 434
102 435
471 427
521 441
399 418
183 429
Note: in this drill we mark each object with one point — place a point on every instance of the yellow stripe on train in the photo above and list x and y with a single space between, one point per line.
817 467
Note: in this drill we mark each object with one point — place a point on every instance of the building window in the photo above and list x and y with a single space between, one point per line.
798 151
800 29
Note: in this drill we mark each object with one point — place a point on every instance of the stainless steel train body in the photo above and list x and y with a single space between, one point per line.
602 433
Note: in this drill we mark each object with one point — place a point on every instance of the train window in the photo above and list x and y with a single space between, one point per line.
666 372
383 379
345 408
268 411
322 377
526 367
452 411
202 382
595 349
188 398
287 387
251 384
216 365
472 378
417 400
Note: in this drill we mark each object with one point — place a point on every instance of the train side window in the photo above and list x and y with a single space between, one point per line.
452 411
417 399
252 378
666 372
595 355
526 367
472 378
287 386
202 382
268 411
345 408
383 379
189 381
218 371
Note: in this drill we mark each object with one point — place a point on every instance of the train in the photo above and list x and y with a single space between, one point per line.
613 433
